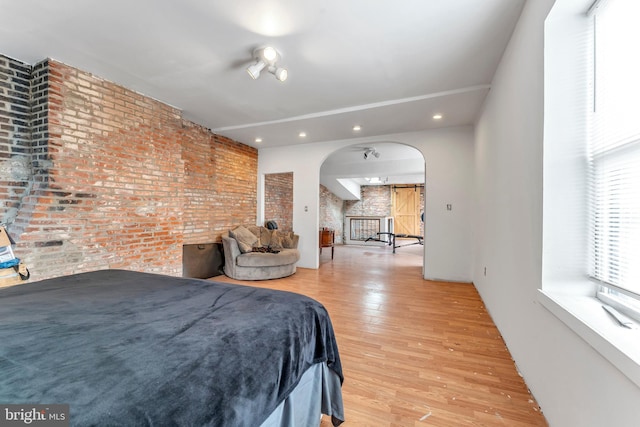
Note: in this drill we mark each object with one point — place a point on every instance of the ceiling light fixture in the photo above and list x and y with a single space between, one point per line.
357 128
269 53
280 73
267 57
254 69
437 116
302 134
371 152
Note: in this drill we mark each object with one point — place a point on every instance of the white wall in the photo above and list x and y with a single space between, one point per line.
574 385
448 157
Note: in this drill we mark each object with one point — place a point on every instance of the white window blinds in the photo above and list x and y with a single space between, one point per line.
614 146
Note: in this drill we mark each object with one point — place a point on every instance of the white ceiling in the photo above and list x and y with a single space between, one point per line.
345 170
388 67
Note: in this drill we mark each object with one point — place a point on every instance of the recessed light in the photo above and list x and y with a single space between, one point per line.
302 134
357 128
437 116
258 140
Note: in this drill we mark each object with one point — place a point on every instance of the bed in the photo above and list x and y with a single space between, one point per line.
132 348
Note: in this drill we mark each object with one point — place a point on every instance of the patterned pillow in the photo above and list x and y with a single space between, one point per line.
244 237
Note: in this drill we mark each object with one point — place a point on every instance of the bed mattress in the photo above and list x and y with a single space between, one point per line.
131 348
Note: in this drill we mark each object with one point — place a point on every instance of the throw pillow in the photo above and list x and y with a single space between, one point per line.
276 240
244 237
287 241
265 236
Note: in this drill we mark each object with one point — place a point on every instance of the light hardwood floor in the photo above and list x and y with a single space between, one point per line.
414 352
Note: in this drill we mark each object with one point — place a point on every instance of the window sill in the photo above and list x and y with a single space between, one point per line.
585 316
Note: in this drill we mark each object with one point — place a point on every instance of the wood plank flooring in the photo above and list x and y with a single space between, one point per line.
414 352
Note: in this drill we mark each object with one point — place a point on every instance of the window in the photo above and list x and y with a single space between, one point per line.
591 214
614 155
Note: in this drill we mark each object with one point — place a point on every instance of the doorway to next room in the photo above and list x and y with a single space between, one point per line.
371 193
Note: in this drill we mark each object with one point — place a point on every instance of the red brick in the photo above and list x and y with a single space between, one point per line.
155 180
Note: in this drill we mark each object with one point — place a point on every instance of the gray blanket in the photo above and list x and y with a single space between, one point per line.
129 348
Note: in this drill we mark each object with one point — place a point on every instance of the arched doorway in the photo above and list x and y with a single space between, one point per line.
370 190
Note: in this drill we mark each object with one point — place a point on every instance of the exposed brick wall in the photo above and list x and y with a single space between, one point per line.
15 135
278 204
375 200
220 188
332 213
120 180
198 154
234 199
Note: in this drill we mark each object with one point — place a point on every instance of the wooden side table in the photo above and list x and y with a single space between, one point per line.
327 239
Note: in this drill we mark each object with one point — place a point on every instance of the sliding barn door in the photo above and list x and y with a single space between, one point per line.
406 210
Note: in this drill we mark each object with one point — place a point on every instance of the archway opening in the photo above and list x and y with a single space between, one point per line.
372 193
